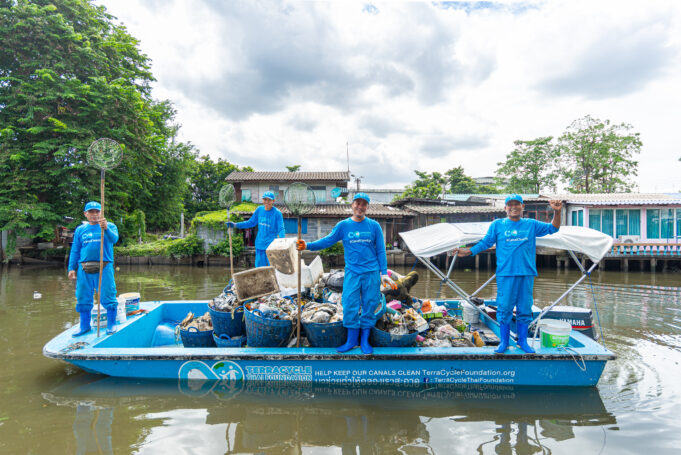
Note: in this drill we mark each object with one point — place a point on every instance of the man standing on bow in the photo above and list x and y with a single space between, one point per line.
516 241
270 224
366 267
84 267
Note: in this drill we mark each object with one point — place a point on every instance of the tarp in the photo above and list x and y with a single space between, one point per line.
439 238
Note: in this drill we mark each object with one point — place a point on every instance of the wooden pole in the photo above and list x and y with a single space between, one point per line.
101 251
300 229
231 261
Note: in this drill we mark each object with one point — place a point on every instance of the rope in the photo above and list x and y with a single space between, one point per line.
414 266
572 353
598 316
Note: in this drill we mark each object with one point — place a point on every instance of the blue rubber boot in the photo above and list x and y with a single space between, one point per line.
84 324
364 342
522 339
353 336
110 321
504 334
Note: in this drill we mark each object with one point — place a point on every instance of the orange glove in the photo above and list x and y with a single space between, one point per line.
300 245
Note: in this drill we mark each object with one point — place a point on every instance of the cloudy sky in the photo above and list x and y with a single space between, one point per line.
411 85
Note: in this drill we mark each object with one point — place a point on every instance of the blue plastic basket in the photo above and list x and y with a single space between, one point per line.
226 323
193 338
265 332
326 335
382 339
225 341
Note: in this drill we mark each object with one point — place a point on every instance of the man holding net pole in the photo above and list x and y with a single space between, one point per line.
84 263
366 268
270 224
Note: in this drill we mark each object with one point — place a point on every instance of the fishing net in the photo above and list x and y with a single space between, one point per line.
227 196
104 154
299 199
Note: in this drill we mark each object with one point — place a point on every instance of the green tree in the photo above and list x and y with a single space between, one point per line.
459 182
69 75
427 186
206 179
530 167
597 156
294 168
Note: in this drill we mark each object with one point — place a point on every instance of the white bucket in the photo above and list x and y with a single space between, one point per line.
470 314
121 316
131 301
554 332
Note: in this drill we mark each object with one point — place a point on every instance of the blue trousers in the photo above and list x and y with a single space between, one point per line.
360 291
514 291
261 258
86 284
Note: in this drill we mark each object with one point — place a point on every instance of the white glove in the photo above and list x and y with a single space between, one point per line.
388 282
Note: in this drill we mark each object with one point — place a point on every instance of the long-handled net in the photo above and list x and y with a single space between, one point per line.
104 154
299 200
226 199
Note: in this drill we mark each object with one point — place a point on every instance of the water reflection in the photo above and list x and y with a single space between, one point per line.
288 418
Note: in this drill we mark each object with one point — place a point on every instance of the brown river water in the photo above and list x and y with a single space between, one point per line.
49 407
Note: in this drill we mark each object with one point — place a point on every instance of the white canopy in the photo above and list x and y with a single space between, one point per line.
439 238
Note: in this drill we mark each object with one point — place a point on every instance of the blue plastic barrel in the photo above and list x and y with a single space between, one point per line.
193 338
228 323
225 341
325 335
382 339
265 332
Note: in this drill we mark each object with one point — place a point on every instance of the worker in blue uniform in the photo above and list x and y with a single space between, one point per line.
84 267
515 238
366 268
270 224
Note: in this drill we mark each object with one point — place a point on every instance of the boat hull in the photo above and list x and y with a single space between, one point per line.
120 355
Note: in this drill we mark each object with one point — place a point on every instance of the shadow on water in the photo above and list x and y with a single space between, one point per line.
282 418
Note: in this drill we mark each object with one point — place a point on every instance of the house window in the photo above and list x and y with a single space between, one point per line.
319 193
678 222
628 222
275 190
578 218
660 223
291 225
595 219
246 195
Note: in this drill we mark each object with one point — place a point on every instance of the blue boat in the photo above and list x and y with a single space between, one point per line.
134 351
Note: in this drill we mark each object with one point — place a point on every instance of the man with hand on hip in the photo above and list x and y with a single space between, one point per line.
270 224
516 241
366 267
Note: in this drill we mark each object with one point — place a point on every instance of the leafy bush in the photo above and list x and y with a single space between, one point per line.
222 248
215 220
157 248
334 250
188 246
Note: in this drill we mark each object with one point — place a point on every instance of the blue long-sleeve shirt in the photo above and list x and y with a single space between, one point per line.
363 243
86 242
270 226
516 244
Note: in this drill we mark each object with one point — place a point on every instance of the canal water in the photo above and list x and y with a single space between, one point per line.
48 407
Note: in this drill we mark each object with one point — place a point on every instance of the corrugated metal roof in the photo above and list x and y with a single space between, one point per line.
345 210
288 176
616 198
448 209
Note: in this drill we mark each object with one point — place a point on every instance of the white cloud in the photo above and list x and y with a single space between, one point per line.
410 85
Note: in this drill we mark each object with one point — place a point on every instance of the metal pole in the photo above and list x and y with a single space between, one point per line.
483 286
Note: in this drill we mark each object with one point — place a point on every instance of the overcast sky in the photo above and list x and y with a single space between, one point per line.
411 85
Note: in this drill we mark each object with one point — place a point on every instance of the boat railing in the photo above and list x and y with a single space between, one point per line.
672 249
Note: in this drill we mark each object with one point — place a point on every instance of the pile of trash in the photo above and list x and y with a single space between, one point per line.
322 313
202 323
275 306
225 302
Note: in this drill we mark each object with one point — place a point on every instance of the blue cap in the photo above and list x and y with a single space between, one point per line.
514 197
93 205
268 195
362 196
